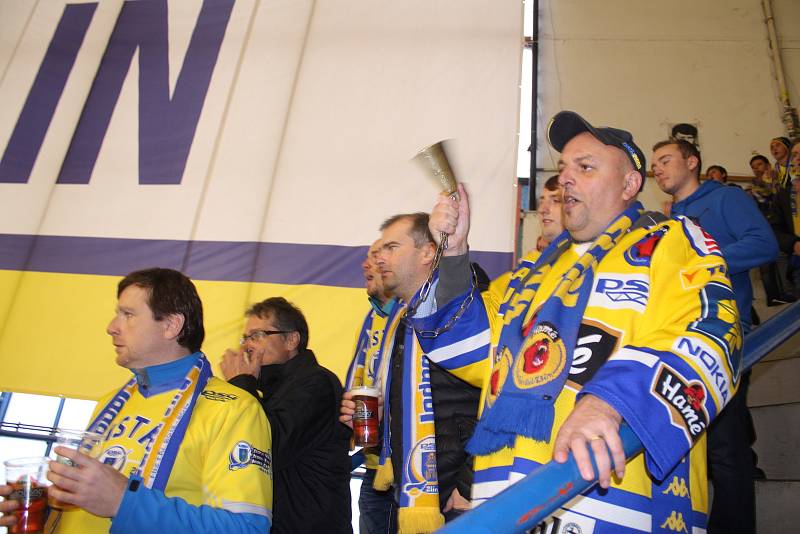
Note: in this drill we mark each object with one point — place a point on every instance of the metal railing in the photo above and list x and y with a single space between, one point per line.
534 498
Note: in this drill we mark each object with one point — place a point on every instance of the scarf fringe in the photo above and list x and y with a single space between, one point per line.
537 419
419 520
485 441
384 476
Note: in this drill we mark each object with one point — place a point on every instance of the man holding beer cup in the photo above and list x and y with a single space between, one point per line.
377 509
182 451
429 404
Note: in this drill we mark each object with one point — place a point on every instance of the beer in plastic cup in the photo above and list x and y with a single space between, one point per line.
365 418
86 442
28 480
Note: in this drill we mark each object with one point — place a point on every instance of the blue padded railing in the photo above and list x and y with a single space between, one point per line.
531 500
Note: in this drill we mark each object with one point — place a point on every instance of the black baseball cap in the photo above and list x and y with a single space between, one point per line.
567 124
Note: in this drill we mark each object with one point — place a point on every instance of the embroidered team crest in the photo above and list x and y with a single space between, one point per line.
421 469
115 456
542 357
244 454
641 252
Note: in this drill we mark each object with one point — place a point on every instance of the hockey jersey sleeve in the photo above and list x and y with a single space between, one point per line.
236 471
679 368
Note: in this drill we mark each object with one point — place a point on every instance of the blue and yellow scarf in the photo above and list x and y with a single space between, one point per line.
159 458
532 360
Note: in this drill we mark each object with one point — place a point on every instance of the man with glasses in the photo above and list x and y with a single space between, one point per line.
301 399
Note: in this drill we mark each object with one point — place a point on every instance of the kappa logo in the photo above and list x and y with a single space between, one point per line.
675 522
244 454
684 400
594 346
621 291
677 487
219 397
697 350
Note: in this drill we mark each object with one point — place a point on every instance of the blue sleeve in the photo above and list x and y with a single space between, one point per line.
147 510
754 242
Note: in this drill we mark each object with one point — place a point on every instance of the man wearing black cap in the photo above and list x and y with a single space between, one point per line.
626 318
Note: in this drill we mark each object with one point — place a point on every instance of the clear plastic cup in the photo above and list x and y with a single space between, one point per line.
86 442
28 480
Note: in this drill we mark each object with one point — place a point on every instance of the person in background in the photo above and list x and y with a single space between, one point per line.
301 399
377 508
746 241
780 148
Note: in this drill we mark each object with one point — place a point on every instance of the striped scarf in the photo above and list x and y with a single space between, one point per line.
532 361
154 469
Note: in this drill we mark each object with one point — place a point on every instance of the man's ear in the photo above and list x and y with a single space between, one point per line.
633 183
428 253
692 162
292 341
173 325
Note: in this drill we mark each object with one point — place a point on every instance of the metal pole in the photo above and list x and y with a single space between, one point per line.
534 97
788 113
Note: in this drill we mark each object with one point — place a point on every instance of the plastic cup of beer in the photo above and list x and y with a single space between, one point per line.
365 418
86 442
28 480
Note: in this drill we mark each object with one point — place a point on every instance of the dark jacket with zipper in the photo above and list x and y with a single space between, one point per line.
310 447
455 414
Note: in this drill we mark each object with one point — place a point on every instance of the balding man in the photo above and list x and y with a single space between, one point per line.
624 318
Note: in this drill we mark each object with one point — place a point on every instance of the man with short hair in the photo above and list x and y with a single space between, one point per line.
747 242
730 216
608 326
430 408
301 399
780 148
377 509
182 451
718 173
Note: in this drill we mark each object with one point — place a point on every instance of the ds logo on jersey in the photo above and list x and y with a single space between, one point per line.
684 400
621 291
244 454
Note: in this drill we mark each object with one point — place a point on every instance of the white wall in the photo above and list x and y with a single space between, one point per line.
642 65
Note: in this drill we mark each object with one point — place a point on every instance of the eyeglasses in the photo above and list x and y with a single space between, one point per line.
258 335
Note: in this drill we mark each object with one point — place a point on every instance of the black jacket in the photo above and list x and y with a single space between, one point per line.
310 448
779 215
455 413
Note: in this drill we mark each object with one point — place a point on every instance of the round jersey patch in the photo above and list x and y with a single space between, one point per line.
541 359
115 456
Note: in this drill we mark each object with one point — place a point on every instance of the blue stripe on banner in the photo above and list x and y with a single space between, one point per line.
243 261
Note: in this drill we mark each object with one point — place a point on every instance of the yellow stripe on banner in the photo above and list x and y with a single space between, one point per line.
53 339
